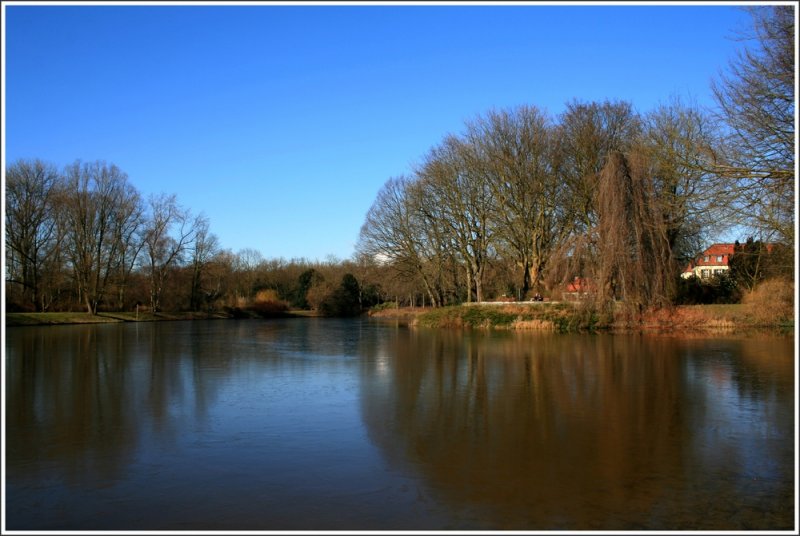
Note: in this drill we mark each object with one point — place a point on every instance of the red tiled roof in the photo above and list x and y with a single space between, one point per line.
579 284
719 249
713 251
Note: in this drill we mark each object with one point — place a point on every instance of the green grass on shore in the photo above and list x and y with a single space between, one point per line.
548 316
552 316
45 319
39 319
567 317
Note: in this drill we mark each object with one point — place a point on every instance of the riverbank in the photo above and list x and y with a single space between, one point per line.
562 317
566 317
48 319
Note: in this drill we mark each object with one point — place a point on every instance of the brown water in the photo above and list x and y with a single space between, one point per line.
314 424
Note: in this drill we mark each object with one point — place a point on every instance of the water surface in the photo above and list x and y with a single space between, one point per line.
316 424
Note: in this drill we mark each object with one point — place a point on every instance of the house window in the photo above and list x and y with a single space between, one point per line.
705 274
705 259
719 258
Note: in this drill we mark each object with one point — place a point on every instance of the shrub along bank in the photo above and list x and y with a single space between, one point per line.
565 317
560 317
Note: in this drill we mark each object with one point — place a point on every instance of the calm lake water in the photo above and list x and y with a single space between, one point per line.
318 424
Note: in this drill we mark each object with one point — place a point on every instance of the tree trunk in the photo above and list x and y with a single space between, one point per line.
470 280
429 291
121 297
478 274
90 307
526 278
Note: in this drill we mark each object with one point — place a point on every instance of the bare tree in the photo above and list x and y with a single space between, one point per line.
219 277
32 231
204 248
246 265
587 134
129 236
679 141
100 209
399 230
441 261
518 159
453 180
170 231
388 234
756 103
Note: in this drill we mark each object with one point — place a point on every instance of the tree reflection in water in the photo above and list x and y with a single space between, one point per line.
544 431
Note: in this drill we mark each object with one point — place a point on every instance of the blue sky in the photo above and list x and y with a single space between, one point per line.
281 123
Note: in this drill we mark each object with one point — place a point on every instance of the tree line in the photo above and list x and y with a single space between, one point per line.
601 189
520 202
84 237
76 237
601 194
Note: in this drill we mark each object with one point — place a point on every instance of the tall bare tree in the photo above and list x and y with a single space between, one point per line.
519 161
204 248
100 208
679 142
454 181
129 236
387 234
399 229
441 260
587 134
169 232
756 102
33 236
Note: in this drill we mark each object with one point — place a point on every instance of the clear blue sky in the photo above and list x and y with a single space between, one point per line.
281 123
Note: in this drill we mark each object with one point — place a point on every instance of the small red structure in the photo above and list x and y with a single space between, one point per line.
579 284
577 289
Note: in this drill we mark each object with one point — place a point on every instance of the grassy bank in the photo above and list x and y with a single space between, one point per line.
566 317
44 319
550 316
544 316
560 317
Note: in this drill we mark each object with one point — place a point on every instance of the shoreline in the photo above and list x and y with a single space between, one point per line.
78 318
560 317
565 317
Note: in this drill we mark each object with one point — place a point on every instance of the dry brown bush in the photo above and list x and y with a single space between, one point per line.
267 303
320 291
267 295
771 302
689 317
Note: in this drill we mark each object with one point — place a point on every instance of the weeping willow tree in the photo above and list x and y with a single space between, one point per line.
634 264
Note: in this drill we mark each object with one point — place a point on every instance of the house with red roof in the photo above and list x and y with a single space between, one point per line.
578 289
713 261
